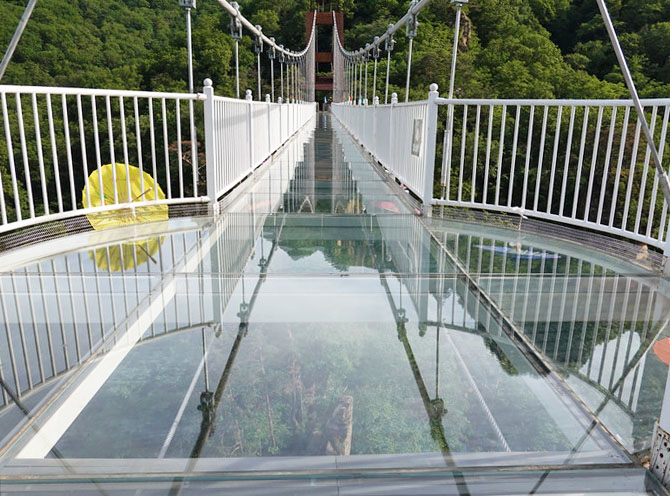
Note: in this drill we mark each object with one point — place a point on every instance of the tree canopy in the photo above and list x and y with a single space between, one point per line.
509 48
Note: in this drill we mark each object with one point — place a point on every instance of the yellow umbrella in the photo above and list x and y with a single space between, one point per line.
142 188
126 256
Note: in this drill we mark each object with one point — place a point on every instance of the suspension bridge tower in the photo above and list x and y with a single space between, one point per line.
324 47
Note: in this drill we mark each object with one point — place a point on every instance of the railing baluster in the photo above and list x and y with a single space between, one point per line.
12 166
194 148
606 166
645 172
501 146
488 155
463 142
529 143
631 174
474 156
98 159
568 147
580 163
168 182
138 140
554 158
622 149
40 153
654 189
54 153
152 137
112 154
24 154
538 177
68 148
84 159
515 139
594 160
124 143
179 152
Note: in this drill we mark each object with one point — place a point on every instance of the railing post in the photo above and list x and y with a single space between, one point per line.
268 101
394 102
429 158
281 119
375 103
249 97
210 146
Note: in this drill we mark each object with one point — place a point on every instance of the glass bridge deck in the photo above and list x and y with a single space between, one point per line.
320 337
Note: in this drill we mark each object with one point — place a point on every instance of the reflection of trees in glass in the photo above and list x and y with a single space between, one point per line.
341 253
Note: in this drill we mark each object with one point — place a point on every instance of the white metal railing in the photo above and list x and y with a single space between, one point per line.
57 142
55 139
242 134
400 136
580 162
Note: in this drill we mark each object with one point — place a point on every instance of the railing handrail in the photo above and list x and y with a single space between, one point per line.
552 102
413 103
216 98
54 90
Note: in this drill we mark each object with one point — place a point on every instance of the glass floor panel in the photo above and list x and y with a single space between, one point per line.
306 343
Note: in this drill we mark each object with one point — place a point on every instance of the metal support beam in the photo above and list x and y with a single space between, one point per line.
17 36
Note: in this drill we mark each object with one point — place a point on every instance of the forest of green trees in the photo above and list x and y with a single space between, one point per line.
508 49
512 48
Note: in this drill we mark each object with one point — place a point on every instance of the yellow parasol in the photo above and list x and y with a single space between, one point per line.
142 188
126 256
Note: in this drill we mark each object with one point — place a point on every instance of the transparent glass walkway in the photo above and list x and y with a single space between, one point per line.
321 338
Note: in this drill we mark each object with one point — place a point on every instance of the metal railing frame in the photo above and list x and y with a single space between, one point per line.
102 121
546 156
415 173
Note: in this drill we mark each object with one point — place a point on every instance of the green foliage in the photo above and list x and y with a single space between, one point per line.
507 49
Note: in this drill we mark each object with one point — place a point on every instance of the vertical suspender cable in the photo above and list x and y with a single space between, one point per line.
355 80
258 48
454 51
365 100
409 69
189 48
237 68
282 59
272 79
410 30
375 55
360 83
447 143
272 53
258 71
236 32
390 43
